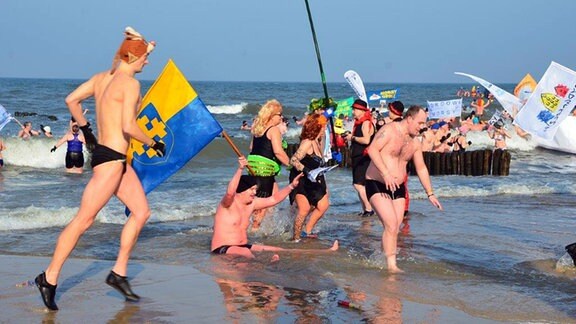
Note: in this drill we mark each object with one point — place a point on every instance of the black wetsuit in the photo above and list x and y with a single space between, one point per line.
263 146
313 191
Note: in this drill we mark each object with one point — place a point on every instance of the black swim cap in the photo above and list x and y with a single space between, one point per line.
246 182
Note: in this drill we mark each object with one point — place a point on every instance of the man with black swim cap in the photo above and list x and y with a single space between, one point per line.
233 215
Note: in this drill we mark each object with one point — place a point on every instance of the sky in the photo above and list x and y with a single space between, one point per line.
405 41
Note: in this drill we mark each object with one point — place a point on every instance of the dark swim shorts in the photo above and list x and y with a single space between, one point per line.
224 248
374 187
74 160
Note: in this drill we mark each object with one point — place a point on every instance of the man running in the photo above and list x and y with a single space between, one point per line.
117 97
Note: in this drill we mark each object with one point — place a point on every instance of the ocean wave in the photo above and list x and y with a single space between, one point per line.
227 109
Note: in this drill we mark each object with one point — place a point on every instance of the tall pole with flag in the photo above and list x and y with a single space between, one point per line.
326 97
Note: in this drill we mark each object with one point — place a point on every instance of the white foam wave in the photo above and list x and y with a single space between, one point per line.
228 109
34 153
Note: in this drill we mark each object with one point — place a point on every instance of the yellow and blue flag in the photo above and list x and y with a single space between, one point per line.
171 112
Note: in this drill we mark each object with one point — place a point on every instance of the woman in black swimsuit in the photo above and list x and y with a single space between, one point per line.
311 196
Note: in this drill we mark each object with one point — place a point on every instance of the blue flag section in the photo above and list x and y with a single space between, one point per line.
171 113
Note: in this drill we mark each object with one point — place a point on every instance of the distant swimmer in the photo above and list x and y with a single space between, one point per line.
74 154
232 217
393 146
117 97
27 132
245 125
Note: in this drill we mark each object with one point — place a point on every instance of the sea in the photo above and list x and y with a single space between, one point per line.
496 252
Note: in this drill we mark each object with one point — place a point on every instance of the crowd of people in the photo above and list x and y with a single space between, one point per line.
381 147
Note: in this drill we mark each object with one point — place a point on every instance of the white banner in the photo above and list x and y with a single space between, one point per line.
508 101
444 109
356 83
551 102
5 117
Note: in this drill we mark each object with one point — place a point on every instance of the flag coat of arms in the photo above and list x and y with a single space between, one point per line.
171 112
550 103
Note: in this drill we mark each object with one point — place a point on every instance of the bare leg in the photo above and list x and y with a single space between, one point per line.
361 190
317 213
385 209
303 210
131 193
259 248
99 190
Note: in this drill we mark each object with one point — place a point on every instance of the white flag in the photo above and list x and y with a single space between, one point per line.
550 103
509 102
5 117
444 109
356 83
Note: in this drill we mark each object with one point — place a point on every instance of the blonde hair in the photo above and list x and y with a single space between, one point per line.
268 110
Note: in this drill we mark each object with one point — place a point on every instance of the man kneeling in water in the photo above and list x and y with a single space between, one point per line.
233 216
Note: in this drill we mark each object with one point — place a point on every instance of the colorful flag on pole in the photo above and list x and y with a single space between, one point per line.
5 117
551 102
509 102
525 87
445 109
173 113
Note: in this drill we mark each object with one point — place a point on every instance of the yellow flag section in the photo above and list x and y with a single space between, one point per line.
172 113
525 87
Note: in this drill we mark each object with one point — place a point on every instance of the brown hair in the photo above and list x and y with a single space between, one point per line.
312 126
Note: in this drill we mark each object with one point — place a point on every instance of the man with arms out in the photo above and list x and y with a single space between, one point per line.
233 216
393 146
117 97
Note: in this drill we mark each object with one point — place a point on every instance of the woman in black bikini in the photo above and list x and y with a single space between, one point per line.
311 197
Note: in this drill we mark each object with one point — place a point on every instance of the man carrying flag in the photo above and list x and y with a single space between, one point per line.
117 97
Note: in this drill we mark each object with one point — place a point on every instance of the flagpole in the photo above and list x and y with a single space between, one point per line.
326 97
229 140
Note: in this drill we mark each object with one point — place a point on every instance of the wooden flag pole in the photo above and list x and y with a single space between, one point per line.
229 140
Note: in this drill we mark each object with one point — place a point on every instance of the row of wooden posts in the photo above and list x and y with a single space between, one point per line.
469 163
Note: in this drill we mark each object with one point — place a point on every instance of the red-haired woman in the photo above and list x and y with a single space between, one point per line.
311 196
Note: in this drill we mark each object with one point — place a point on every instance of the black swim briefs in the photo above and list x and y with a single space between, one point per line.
374 187
224 248
103 154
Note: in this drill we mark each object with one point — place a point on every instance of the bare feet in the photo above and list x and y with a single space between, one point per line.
395 270
275 258
335 246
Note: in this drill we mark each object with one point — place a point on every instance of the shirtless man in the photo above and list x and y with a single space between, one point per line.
233 216
117 97
394 145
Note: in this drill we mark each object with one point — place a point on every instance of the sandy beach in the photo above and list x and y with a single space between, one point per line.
170 294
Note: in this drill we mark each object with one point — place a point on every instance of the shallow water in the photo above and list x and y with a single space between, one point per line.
492 253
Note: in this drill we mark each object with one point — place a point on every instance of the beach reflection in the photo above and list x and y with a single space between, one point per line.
249 298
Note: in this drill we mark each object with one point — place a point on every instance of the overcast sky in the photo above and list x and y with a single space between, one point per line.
270 40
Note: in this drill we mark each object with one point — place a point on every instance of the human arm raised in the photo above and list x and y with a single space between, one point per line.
278 196
233 184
